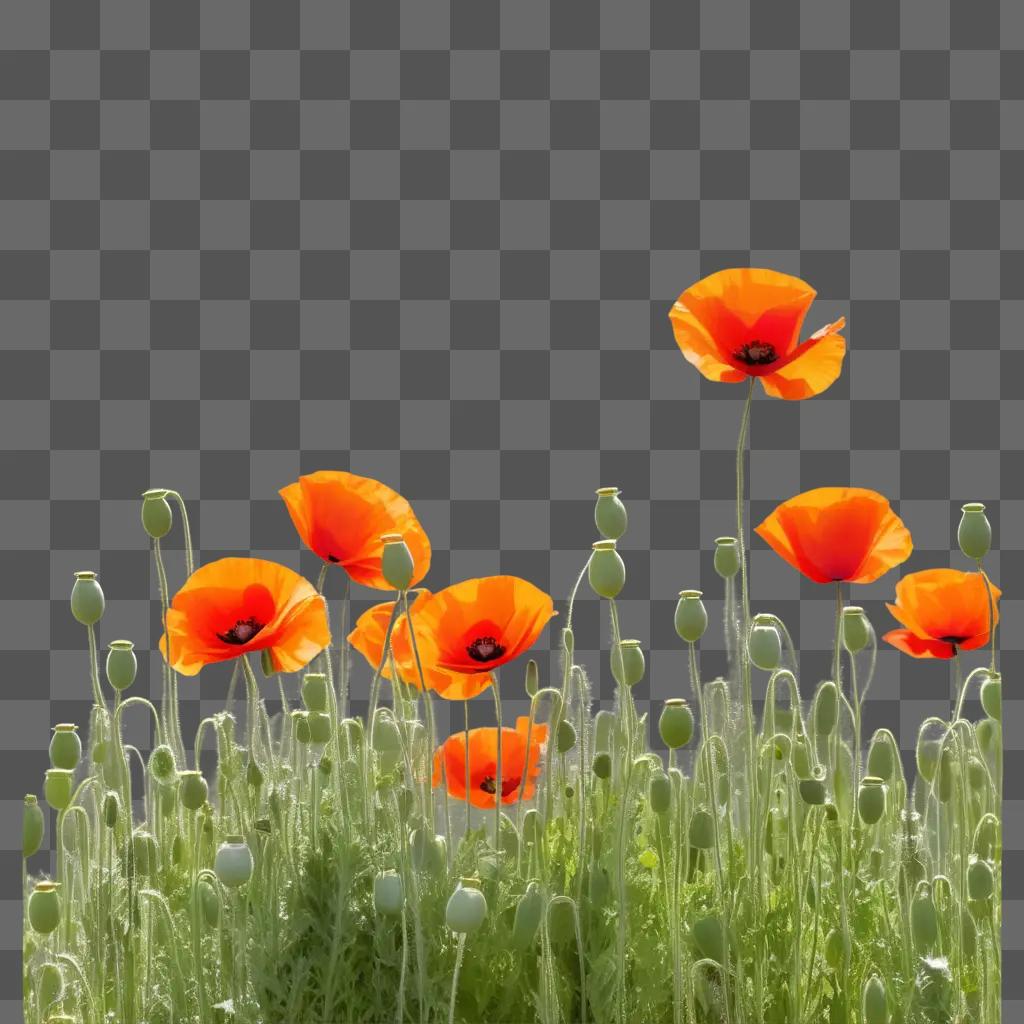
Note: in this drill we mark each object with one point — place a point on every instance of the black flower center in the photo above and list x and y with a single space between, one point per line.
485 648
953 639
756 353
242 631
333 558
508 785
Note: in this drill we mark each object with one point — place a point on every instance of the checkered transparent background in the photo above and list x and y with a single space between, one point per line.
435 242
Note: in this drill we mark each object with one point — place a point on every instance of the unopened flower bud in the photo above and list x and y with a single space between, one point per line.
111 809
396 562
532 678
826 708
565 738
50 986
881 760
628 663
606 570
31 826
157 517
924 922
812 792
691 618
87 601
162 765
659 792
602 765
65 747
974 533
992 696
604 722
319 727
874 1004
253 773
121 664
529 911
675 726
300 723
314 691
702 830
193 790
727 557
610 514
856 629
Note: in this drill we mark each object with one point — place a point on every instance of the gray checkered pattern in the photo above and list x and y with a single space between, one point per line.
435 242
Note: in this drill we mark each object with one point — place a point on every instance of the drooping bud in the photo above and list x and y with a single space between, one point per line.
610 514
396 561
874 1004
659 792
924 921
319 727
565 738
702 830
32 824
727 557
856 629
121 664
87 601
812 792
157 517
604 721
602 765
529 911
974 534
628 663
675 726
764 645
871 800
980 881
881 761
606 570
992 696
300 723
691 618
50 986
826 708
532 682
65 746
927 756
111 809
193 790
162 765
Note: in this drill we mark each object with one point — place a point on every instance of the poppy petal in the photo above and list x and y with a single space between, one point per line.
699 348
812 367
916 646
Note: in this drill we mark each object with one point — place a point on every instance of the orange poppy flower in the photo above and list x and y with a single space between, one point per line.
746 323
236 605
519 768
830 534
342 517
479 624
368 639
943 610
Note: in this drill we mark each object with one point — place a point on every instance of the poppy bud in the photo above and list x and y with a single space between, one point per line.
111 809
675 726
837 946
533 830
691 619
157 517
880 756
87 599
193 790
628 663
826 708
319 727
992 697
604 721
610 514
875 1008
927 757
314 691
388 893
602 765
466 908
659 792
428 851
387 740
31 826
812 792
50 985
532 678
709 938
924 921
65 747
871 800
300 722
974 534
121 664
565 738
727 557
856 629
764 645
233 862
162 765
57 788
396 562
144 851
986 837
606 570
44 907
253 774
210 903
980 883
529 911
949 771
702 830
987 731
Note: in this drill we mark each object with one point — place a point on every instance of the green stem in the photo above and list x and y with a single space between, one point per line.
94 669
455 976
465 715
498 783
185 530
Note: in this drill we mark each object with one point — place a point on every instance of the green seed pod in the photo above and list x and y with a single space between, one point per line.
727 557
210 902
57 788
980 881
659 792
529 911
232 863
988 734
144 851
837 947
992 697
856 629
880 757
388 893
974 534
396 562
157 517
709 938
300 723
764 645
812 791
602 765
986 837
466 908
121 664
44 907
924 921
319 727
532 682
928 757
606 570
111 809
628 664
253 774
610 514
604 722
192 790
826 708
702 830
314 691
565 738
32 824
871 800
675 726
691 619
65 747
802 759
874 1004
49 985
87 602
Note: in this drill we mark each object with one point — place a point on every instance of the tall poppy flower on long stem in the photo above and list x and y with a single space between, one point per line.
838 534
519 769
341 517
236 605
745 323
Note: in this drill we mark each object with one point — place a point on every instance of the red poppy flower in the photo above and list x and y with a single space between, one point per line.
342 518
519 768
943 611
746 322
236 605
830 534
